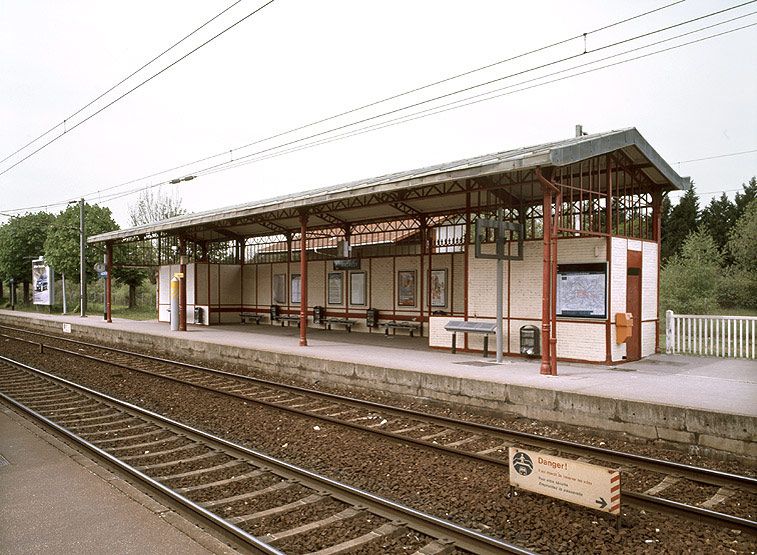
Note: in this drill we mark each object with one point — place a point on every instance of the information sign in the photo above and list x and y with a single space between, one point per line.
585 484
582 290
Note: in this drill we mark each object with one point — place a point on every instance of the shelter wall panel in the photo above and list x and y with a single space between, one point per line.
165 284
617 351
482 293
438 336
230 276
190 277
648 332
264 285
581 250
579 340
457 285
618 276
201 276
381 283
214 282
316 283
525 282
411 263
248 285
649 281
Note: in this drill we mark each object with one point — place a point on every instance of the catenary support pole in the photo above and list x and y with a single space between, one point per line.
500 285
82 262
108 282
303 280
63 285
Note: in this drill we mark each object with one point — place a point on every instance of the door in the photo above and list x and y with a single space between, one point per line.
633 304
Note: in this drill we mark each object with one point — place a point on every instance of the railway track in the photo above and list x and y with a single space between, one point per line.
459 438
268 505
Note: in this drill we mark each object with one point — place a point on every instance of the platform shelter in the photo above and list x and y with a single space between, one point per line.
397 253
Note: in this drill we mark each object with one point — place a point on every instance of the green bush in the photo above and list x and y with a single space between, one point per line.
737 288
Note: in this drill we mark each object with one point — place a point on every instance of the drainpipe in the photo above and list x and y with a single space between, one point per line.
548 189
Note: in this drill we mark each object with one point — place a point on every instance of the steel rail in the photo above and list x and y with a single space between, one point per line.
464 538
248 540
694 473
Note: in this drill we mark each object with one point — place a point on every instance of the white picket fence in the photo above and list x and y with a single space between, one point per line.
720 336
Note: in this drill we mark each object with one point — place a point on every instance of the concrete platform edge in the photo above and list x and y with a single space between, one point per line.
707 431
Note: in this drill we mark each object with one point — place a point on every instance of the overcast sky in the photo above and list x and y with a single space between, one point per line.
298 61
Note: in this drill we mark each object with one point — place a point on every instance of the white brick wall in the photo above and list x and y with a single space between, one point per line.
230 284
316 283
649 281
648 331
581 340
382 284
458 283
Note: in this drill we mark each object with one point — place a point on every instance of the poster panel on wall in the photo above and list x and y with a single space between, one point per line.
42 282
582 290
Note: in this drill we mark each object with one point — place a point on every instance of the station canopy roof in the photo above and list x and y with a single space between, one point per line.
424 191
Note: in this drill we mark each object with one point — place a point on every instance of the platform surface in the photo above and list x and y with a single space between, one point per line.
51 503
727 386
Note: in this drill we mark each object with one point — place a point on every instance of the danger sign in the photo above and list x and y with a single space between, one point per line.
585 484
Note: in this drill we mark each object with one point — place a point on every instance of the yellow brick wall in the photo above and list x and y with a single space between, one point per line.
382 285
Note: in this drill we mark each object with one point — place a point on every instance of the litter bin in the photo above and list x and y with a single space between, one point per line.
529 341
319 314
372 318
275 312
198 315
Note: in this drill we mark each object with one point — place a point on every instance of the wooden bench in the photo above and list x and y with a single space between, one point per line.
341 321
249 316
288 319
395 325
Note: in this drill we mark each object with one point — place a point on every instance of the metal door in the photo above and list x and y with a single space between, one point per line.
633 304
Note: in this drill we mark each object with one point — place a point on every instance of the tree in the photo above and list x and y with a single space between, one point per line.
21 239
154 207
689 280
745 198
718 218
683 220
743 239
62 242
149 208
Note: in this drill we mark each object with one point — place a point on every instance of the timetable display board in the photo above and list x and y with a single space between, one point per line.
582 290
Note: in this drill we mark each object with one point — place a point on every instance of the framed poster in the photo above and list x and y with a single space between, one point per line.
296 288
357 288
439 287
406 288
279 288
336 288
582 290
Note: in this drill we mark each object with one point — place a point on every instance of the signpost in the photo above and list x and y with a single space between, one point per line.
585 484
502 233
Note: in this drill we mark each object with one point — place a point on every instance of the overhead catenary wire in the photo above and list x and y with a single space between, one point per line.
460 103
434 111
394 96
121 82
144 82
219 167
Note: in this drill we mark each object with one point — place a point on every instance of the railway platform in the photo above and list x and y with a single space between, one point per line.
702 403
56 500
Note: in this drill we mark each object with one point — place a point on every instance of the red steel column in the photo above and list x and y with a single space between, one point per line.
183 285
303 280
553 278
545 335
108 277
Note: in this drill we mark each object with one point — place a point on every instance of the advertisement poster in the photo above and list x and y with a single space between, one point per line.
42 283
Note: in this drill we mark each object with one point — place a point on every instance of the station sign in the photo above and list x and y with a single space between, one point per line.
589 485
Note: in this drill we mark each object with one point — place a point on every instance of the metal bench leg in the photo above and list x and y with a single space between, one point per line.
454 343
486 346
386 331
